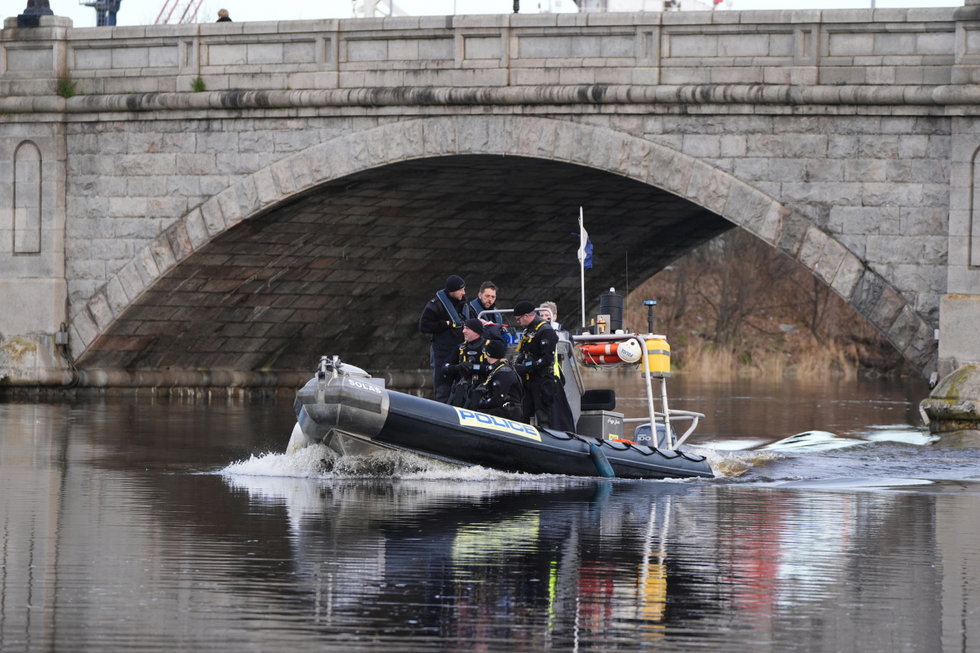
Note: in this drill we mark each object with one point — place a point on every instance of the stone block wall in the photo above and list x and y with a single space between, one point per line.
853 130
858 200
861 47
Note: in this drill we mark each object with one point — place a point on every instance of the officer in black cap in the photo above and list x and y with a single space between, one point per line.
502 392
537 361
443 317
469 367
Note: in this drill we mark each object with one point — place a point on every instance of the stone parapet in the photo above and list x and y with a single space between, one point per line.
800 48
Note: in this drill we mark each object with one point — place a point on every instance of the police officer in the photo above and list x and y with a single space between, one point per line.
537 362
443 317
468 369
502 393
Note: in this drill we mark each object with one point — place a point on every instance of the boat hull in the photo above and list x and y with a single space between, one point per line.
328 408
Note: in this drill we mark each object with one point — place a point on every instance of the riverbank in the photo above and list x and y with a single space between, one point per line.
737 308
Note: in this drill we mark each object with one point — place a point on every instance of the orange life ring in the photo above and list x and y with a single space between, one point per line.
599 353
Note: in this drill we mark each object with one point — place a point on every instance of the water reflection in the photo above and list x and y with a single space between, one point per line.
535 564
123 525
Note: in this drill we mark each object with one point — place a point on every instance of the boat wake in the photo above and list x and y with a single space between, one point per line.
321 462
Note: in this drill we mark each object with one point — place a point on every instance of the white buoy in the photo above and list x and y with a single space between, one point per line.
629 351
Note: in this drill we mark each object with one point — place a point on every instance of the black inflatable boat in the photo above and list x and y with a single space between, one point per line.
345 408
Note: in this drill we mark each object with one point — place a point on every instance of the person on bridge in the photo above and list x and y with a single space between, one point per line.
468 369
502 393
443 318
537 360
223 16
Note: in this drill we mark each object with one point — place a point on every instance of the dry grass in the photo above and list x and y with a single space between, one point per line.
738 308
706 361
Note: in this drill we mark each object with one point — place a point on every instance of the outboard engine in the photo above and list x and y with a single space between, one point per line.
642 436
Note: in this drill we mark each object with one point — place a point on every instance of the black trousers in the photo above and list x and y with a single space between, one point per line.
441 386
544 399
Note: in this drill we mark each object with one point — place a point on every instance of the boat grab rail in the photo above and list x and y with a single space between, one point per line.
666 414
675 415
508 310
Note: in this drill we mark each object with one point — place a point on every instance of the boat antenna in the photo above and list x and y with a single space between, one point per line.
626 297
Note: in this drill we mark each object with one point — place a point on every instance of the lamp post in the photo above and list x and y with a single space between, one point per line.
32 14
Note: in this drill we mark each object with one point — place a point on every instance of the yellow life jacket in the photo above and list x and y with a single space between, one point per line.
483 352
527 337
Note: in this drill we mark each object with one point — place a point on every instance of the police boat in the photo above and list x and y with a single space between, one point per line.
345 408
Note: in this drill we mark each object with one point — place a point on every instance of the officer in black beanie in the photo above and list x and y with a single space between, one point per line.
443 317
503 391
468 368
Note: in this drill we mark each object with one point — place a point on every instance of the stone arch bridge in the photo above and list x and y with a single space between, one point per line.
331 174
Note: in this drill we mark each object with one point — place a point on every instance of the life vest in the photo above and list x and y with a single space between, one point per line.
463 347
447 303
556 364
499 365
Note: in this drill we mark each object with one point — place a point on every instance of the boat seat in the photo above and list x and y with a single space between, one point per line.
603 399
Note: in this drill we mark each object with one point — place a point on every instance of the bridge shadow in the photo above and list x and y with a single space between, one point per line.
346 267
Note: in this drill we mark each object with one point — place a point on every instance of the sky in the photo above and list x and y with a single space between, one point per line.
144 12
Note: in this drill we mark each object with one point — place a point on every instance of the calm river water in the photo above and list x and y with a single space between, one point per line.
179 525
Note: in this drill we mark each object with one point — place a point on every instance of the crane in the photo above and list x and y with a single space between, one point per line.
191 7
371 8
105 11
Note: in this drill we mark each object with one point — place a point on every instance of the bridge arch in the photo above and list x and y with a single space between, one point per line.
562 142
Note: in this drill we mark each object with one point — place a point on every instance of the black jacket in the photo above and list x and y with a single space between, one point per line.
536 356
445 338
503 387
470 362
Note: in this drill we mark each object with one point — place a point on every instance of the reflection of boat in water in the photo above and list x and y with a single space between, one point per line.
344 408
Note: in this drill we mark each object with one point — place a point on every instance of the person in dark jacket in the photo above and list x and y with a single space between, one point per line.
443 318
503 391
468 369
486 300
223 16
537 361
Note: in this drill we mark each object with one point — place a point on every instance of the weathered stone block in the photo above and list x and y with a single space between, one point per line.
116 296
213 219
791 237
231 210
99 308
180 242
84 329
572 144
709 187
886 309
265 186
848 275
812 247
131 281
196 229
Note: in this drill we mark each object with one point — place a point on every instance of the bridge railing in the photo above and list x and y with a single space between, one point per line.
843 47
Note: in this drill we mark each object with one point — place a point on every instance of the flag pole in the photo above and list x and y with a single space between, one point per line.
581 257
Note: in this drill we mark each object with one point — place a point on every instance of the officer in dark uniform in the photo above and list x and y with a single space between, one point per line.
443 317
537 362
468 369
503 392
